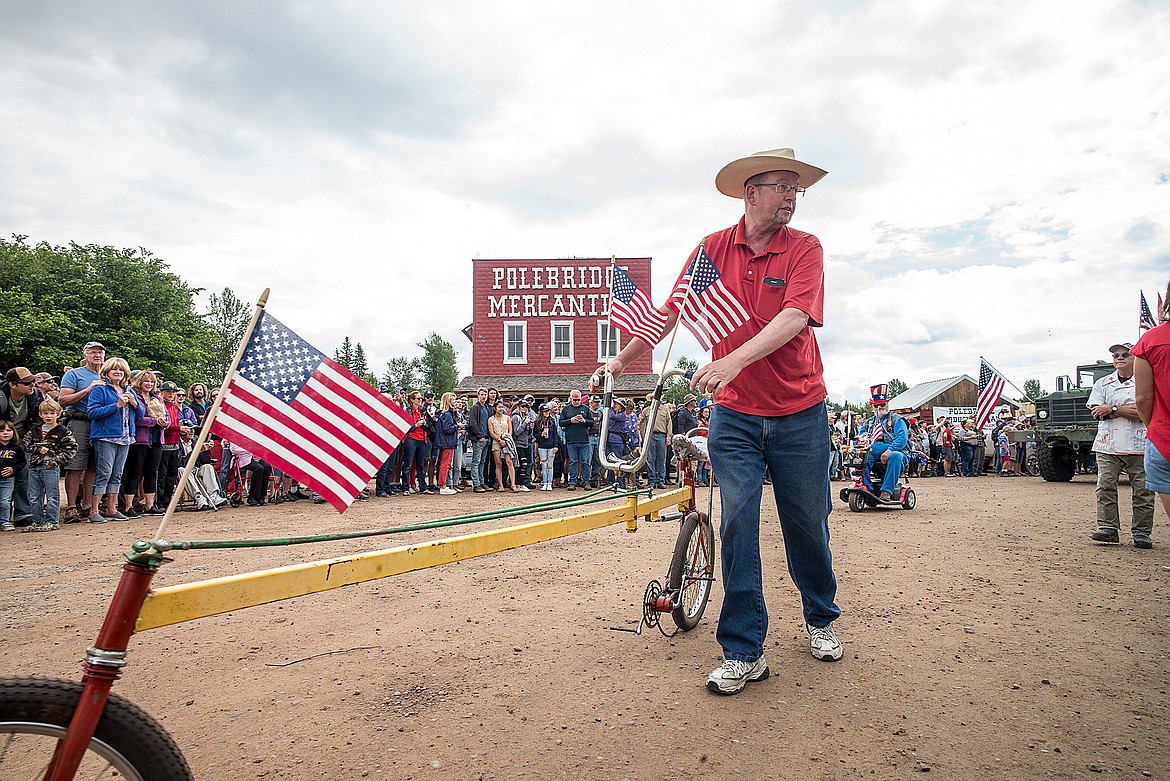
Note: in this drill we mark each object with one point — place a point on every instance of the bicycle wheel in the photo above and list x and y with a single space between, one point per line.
128 743
691 570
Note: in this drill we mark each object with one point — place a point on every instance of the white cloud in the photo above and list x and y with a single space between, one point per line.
998 178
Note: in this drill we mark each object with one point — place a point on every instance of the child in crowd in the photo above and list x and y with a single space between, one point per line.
11 462
49 446
1003 452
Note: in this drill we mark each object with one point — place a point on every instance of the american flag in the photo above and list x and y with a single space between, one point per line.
633 311
307 415
991 385
1146 319
711 312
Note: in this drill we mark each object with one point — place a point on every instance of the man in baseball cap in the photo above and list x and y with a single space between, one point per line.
769 395
1120 446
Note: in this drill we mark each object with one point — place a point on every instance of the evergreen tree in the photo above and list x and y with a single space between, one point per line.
897 387
344 354
228 317
402 373
437 365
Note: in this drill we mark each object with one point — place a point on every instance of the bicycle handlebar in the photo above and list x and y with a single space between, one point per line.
628 465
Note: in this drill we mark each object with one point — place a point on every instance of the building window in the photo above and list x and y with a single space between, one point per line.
608 344
515 341
562 341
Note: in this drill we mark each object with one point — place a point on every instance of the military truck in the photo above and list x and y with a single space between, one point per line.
1064 427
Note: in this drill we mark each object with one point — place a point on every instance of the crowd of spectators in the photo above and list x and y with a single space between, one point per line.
489 443
119 436
946 447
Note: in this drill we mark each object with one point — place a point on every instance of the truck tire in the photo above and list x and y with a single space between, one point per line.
1058 463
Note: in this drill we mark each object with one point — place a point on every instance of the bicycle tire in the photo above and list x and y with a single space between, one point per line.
35 712
692 570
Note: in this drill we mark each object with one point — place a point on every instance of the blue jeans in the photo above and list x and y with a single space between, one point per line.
44 493
7 486
580 462
416 451
548 457
479 449
657 459
967 452
616 451
595 456
894 465
111 461
382 484
20 497
796 450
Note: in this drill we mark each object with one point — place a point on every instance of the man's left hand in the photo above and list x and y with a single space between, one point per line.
885 457
716 376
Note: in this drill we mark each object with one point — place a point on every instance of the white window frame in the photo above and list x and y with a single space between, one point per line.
602 325
523 324
552 341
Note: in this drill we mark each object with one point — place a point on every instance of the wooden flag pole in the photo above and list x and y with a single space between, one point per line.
205 429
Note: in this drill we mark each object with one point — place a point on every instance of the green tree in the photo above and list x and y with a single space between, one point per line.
358 364
228 317
677 388
344 354
1033 390
437 364
897 387
53 299
402 373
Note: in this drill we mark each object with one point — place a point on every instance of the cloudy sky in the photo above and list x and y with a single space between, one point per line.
999 171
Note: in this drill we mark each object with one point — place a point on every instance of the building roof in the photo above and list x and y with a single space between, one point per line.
915 397
557 385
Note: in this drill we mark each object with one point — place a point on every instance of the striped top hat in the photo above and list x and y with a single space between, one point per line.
879 394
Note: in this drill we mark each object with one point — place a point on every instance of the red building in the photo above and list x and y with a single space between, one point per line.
541 326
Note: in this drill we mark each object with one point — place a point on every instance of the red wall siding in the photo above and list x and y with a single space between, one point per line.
537 293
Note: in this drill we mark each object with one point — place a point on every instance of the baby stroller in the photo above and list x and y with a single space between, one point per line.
859 496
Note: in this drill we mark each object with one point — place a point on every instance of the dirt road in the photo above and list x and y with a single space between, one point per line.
985 637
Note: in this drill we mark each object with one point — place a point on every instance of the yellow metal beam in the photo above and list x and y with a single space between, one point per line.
186 602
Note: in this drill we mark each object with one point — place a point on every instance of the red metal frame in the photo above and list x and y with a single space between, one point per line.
103 666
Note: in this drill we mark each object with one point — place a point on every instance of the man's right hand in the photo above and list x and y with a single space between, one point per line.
614 366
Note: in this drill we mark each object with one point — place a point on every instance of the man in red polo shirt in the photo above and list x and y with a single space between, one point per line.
769 391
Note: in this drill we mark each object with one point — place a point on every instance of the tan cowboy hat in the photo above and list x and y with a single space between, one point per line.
730 179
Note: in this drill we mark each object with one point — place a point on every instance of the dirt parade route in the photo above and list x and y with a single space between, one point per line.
985 637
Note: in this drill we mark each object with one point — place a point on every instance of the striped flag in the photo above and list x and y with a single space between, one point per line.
711 313
307 415
1146 319
991 385
633 311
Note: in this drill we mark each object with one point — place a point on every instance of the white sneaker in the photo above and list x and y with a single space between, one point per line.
823 643
733 675
445 491
522 488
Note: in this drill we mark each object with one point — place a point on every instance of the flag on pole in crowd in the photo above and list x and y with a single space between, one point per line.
710 312
632 310
1146 319
307 415
991 384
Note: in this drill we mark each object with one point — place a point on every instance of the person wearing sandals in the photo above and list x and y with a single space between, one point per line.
114 410
504 446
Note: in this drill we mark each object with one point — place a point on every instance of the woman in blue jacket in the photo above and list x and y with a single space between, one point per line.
446 440
114 411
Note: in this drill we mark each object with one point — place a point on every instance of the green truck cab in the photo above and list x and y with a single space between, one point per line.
1064 427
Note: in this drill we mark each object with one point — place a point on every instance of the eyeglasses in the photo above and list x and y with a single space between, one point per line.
781 188
1121 355
24 382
